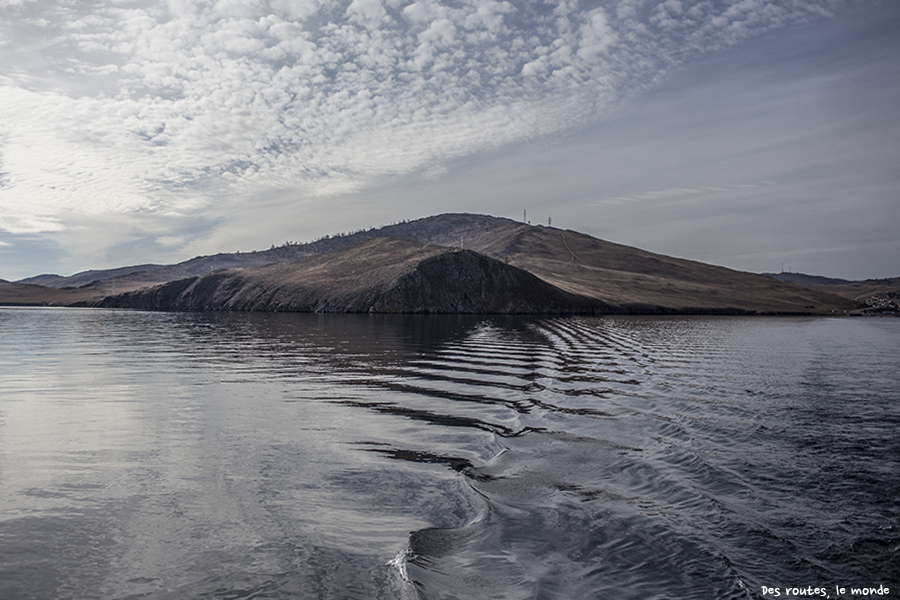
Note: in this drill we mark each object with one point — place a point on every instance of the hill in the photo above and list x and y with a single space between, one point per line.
854 290
442 230
378 275
87 277
470 257
879 295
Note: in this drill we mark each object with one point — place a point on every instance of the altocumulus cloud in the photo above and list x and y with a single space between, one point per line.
165 108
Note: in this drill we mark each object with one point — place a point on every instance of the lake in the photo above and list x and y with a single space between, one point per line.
249 456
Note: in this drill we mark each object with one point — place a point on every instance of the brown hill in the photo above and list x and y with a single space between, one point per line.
634 280
88 277
332 274
855 290
379 275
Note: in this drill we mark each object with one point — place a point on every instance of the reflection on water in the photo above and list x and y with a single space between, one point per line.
222 455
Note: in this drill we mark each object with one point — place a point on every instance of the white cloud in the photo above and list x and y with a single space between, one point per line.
424 12
596 35
171 106
489 15
368 13
673 195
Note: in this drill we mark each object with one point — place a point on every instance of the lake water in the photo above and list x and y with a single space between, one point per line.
247 456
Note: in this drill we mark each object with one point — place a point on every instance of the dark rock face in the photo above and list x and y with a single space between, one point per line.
468 282
162 297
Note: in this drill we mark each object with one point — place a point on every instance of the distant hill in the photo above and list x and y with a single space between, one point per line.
476 262
87 277
855 290
807 280
878 295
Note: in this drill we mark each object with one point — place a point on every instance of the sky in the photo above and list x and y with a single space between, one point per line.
753 134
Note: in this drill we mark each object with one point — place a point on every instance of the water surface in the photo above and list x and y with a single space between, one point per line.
237 456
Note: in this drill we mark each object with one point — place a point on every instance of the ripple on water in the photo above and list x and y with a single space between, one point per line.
216 455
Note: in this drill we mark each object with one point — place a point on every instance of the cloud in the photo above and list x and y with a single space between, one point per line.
172 107
670 195
368 13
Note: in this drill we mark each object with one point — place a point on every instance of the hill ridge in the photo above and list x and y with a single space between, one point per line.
610 277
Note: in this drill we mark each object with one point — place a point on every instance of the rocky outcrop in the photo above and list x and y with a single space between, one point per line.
468 282
161 297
